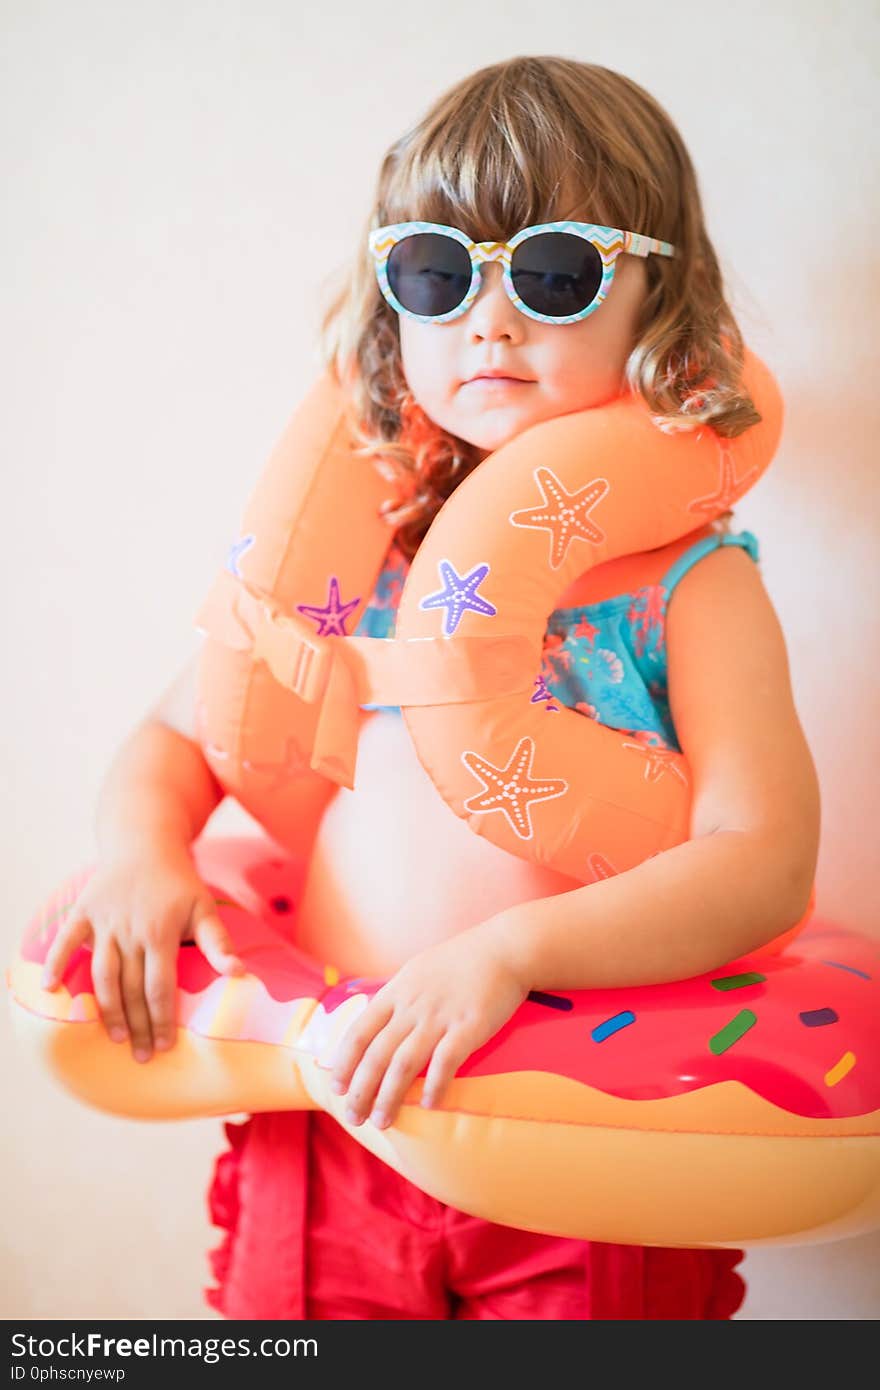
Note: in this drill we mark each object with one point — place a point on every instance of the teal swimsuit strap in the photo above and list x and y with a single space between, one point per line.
745 539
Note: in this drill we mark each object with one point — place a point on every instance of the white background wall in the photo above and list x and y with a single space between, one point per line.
166 169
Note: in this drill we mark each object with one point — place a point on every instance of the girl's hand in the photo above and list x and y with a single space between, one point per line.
135 910
443 1004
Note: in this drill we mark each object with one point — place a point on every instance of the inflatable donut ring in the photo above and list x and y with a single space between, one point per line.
732 1109
281 681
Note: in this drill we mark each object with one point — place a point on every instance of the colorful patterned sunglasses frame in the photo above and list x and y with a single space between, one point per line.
608 241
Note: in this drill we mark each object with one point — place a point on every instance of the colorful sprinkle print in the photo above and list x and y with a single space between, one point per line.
818 1018
851 968
750 977
731 1033
229 902
840 1069
458 595
552 1001
612 1025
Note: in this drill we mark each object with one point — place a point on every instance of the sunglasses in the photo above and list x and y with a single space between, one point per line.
557 272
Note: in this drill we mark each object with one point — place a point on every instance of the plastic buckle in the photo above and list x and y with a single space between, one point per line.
298 659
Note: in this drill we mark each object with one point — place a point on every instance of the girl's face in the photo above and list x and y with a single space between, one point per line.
566 367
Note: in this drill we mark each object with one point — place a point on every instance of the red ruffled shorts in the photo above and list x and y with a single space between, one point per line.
318 1227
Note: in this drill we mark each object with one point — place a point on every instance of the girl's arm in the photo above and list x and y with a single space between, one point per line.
742 878
158 789
745 874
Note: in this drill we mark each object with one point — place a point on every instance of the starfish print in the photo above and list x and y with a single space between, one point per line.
660 760
293 763
510 788
236 550
542 692
459 594
564 514
600 867
729 487
649 619
331 618
585 628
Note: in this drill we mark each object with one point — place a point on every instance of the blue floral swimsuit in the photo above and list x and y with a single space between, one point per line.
606 660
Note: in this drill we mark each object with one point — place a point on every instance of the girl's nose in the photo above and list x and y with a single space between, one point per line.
492 311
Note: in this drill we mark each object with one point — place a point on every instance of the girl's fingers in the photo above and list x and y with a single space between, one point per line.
106 968
213 939
405 1066
450 1052
135 1004
71 934
160 990
358 1037
372 1069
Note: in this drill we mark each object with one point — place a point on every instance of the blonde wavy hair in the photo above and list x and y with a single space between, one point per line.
500 151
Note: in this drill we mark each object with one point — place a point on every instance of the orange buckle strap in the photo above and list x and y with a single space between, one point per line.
342 673
243 618
298 659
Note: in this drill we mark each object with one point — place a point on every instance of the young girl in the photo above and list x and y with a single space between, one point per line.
396 886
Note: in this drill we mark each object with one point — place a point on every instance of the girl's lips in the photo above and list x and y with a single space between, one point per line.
498 381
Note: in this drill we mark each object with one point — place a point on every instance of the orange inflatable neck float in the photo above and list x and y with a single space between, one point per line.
281 680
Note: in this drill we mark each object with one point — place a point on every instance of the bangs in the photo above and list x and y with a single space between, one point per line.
518 158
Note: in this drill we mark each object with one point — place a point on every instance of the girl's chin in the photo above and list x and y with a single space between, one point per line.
486 443
496 426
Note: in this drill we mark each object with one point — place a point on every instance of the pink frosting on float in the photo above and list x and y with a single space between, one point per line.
815 1008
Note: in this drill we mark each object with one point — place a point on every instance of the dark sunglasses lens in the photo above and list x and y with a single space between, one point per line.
429 274
556 273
